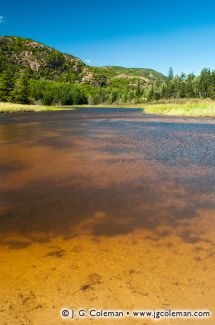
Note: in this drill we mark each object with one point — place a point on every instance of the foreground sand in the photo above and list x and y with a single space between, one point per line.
127 272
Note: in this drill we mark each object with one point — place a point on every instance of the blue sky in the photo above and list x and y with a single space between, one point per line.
154 34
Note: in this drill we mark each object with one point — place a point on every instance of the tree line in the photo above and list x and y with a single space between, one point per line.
184 86
24 88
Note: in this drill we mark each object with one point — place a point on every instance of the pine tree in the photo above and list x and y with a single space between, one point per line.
150 94
7 81
21 91
170 73
204 82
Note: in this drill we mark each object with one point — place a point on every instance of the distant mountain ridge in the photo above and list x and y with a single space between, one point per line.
122 72
48 63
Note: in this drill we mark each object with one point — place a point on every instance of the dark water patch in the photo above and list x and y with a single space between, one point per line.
17 244
55 142
50 208
107 172
58 253
8 167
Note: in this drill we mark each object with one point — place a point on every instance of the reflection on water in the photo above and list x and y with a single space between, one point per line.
130 189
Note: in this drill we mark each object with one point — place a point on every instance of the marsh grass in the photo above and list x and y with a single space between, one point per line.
13 108
182 108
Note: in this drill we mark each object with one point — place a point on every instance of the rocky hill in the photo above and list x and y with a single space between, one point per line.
149 75
44 61
48 63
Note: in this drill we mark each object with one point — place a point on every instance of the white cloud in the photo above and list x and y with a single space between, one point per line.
88 61
1 19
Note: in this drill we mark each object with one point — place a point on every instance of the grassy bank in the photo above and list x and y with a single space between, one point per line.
13 108
180 107
177 107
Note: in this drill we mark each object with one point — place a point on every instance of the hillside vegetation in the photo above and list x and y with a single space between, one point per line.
148 75
33 73
42 61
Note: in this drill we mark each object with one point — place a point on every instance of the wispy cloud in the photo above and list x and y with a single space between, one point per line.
1 19
88 61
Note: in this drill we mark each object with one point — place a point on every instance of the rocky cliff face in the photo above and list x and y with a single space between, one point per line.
43 61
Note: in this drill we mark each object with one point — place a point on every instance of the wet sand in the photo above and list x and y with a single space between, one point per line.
105 208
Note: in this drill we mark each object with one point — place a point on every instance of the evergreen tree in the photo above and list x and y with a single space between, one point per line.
7 82
150 94
189 88
170 73
204 82
21 91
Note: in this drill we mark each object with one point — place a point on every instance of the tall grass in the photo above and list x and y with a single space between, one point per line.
182 108
13 108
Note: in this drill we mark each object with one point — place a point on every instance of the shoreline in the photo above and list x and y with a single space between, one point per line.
189 108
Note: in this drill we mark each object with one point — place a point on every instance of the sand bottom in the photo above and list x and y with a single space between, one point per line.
126 273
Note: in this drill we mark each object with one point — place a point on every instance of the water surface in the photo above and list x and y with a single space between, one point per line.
105 207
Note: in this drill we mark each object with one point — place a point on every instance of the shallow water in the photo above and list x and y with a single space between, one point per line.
105 207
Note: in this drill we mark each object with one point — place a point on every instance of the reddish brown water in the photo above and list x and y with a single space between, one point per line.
108 208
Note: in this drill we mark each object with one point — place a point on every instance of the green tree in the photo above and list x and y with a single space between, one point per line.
21 91
204 83
7 82
150 94
189 87
170 73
